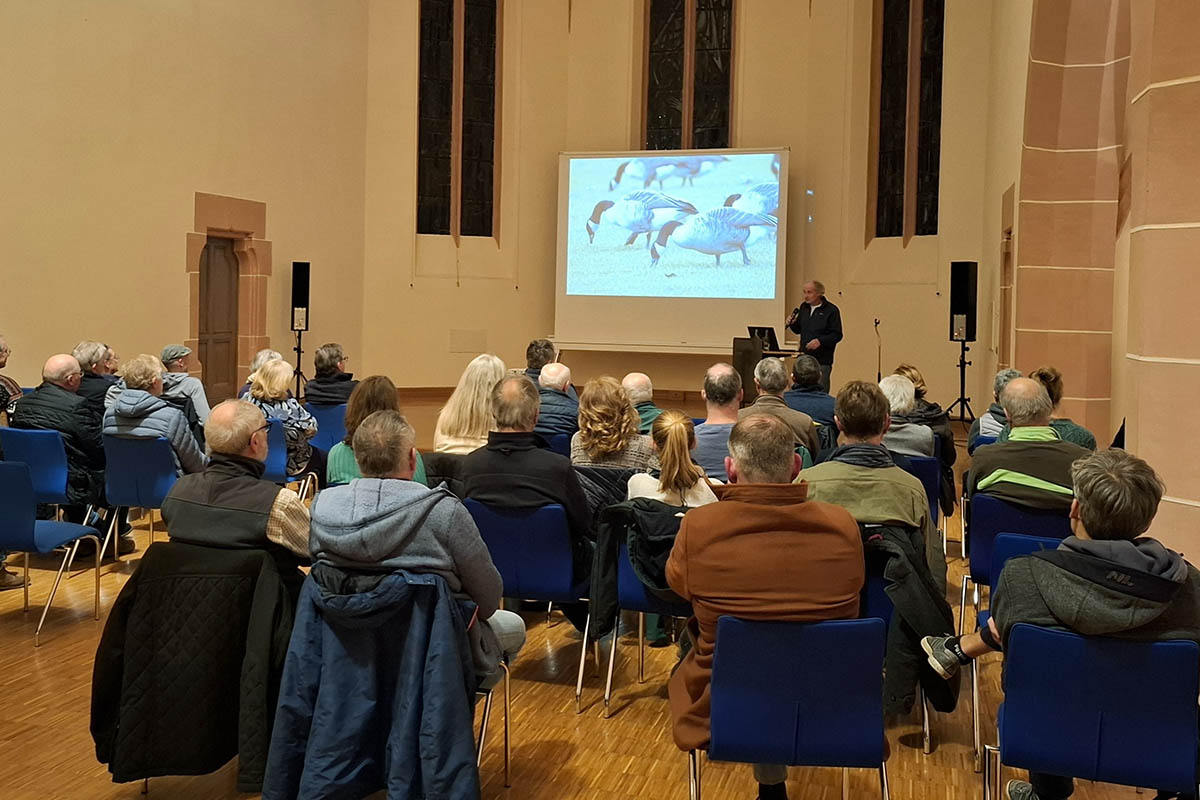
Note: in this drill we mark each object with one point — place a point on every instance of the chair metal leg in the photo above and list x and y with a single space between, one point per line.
150 513
26 606
991 773
926 736
507 717
883 782
975 598
583 648
975 711
110 535
549 608
596 651
693 775
483 726
845 783
962 606
641 647
145 786
96 541
612 660
57 579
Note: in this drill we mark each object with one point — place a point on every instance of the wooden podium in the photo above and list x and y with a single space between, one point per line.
747 352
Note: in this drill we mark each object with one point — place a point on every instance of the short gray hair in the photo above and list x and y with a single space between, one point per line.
142 371
382 443
806 371
638 386
515 402
1118 494
900 392
1002 379
722 384
1026 402
555 376
263 356
763 449
89 353
771 375
327 358
230 426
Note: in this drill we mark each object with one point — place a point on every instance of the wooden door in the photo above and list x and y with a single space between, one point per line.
219 319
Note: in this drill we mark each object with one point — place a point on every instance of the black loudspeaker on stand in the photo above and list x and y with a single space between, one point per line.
300 270
964 276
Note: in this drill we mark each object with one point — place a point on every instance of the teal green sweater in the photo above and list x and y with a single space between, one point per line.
342 468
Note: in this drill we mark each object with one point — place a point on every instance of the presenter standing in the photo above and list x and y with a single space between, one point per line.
819 324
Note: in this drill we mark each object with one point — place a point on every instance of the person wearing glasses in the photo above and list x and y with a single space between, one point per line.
230 505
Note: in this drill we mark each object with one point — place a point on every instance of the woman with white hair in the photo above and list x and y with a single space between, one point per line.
141 413
464 422
269 391
260 358
906 438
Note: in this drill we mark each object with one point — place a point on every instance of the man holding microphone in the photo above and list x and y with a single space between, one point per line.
819 324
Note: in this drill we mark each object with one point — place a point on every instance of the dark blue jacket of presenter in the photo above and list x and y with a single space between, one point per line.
817 320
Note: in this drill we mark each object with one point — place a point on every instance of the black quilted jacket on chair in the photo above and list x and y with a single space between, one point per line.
187 671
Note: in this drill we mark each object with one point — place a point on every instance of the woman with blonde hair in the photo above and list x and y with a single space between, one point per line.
464 422
376 393
681 482
269 391
1068 431
608 429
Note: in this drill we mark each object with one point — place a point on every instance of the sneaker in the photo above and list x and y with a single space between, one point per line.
126 545
1020 790
10 580
941 657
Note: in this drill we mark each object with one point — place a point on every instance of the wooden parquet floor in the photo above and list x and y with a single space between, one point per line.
46 750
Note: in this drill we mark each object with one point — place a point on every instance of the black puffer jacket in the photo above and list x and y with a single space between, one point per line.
53 408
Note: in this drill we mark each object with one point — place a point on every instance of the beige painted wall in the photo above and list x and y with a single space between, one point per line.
116 113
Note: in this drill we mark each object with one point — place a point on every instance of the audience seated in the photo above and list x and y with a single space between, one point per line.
933 417
140 413
906 438
10 390
376 393
332 385
260 358
463 423
992 421
559 408
764 552
385 521
515 470
722 395
1104 580
98 363
538 354
1033 468
641 393
1068 431
230 505
608 429
269 391
178 384
807 394
680 482
771 378
861 477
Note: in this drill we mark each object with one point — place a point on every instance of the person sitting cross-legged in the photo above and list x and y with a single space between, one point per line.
1106 579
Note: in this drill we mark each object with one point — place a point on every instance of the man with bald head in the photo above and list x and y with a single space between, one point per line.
722 395
559 411
641 393
1033 468
230 505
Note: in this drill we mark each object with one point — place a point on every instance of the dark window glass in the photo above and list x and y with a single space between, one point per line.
479 116
434 112
664 88
893 110
929 129
714 48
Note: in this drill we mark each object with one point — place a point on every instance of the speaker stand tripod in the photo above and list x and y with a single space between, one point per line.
963 403
301 378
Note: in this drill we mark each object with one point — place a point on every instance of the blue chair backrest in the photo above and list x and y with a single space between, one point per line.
874 601
632 594
138 472
46 457
276 470
18 508
531 547
28 389
778 697
1101 709
1011 545
331 425
980 441
561 443
928 471
991 517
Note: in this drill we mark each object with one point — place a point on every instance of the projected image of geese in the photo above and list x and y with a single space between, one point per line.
715 232
660 168
638 213
760 199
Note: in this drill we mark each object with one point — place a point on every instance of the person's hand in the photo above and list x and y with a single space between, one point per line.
795 315
813 344
992 627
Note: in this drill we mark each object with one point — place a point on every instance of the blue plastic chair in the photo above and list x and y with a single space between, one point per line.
331 425
928 470
632 595
46 457
779 698
1006 546
137 473
276 464
1099 722
21 531
28 390
989 518
531 548
561 443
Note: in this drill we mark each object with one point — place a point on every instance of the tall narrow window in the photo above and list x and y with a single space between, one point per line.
689 73
907 118
457 117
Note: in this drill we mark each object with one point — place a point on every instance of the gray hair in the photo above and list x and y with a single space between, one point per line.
515 402
382 443
327 357
230 426
820 287
638 386
263 356
806 371
1002 379
722 384
1026 402
771 375
1118 494
555 376
142 371
89 353
900 392
762 447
